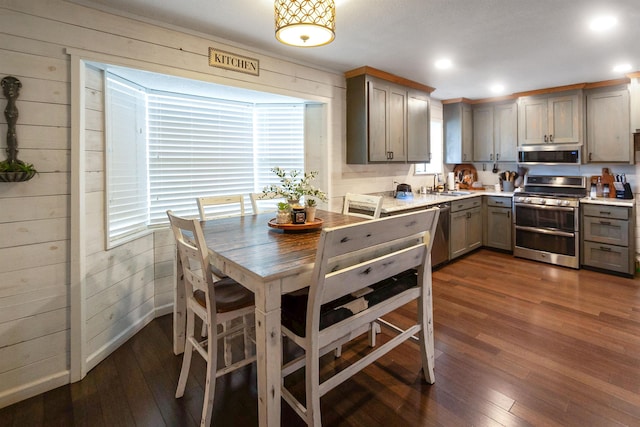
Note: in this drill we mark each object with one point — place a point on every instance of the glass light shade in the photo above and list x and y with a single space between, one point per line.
305 23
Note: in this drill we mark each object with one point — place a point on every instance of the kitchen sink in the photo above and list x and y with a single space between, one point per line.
456 193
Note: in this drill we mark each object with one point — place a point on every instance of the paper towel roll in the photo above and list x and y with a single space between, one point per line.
451 181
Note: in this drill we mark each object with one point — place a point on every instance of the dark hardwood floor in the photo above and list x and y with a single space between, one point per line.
517 343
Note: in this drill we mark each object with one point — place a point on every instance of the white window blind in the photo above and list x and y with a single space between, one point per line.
279 140
205 147
126 159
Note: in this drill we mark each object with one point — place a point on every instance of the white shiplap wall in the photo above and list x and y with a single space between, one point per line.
126 286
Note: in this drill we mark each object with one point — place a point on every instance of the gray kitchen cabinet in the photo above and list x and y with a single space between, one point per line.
550 119
386 122
607 238
495 132
609 137
498 223
465 227
418 127
458 133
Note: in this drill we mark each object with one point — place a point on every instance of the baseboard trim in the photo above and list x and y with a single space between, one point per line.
104 351
34 388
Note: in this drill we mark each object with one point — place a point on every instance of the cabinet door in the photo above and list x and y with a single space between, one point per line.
483 134
505 135
378 106
467 133
608 128
418 128
532 120
458 234
499 228
396 144
564 119
458 133
474 228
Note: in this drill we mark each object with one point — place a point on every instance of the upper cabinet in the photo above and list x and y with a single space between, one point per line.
458 132
550 119
386 121
608 126
495 132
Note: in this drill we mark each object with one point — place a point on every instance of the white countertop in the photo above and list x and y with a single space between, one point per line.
609 201
393 205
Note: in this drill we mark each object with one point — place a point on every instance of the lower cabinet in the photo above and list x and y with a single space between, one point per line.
498 223
607 238
465 227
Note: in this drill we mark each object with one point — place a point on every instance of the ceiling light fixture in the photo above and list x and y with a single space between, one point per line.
497 88
305 23
622 68
603 23
444 64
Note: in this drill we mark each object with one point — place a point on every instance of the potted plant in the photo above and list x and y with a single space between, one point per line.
311 209
284 213
293 185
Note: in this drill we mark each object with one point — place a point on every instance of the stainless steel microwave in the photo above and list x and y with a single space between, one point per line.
550 154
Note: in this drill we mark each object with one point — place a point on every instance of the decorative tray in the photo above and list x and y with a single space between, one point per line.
307 226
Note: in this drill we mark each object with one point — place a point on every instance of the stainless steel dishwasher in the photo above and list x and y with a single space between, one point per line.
440 251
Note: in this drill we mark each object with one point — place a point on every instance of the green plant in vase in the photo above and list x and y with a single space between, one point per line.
284 213
311 206
294 185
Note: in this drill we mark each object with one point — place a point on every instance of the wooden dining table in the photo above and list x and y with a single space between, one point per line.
269 262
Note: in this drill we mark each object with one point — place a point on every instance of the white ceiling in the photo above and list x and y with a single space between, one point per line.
522 44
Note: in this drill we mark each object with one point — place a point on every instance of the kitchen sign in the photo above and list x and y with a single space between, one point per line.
233 62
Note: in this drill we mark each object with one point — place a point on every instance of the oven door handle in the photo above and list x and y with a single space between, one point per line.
557 208
545 231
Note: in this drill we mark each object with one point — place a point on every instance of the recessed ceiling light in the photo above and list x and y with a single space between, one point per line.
497 88
443 64
603 23
622 68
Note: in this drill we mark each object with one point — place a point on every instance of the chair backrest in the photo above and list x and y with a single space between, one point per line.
264 202
352 257
194 256
225 203
365 203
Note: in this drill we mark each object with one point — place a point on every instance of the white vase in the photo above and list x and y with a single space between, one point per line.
311 213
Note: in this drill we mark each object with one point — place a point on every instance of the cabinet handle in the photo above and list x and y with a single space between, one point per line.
590 156
508 214
497 156
491 156
605 222
605 213
603 249
550 138
546 139
391 153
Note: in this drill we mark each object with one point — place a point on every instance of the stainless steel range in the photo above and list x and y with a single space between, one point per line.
547 217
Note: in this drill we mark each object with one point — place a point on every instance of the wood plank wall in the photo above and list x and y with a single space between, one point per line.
127 285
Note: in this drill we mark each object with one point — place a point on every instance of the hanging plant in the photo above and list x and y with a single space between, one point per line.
12 169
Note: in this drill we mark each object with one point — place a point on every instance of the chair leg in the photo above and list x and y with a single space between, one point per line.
228 356
312 372
375 329
186 356
247 338
210 385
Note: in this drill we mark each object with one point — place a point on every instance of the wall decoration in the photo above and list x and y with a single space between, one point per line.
12 169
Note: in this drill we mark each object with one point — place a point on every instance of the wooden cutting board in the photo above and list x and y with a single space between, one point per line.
606 178
466 174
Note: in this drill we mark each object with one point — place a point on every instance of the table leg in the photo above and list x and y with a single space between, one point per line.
179 309
269 351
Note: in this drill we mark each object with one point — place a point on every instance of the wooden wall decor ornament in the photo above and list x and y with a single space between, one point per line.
12 169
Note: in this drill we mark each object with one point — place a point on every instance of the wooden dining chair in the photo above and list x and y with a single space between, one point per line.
365 206
362 272
212 207
214 302
229 205
362 205
261 203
